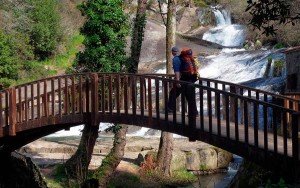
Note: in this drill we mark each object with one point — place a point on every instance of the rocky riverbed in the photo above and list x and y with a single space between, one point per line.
196 156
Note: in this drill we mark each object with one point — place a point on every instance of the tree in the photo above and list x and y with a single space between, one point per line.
105 31
268 13
164 156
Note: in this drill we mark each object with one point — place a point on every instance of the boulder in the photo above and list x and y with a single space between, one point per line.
224 158
178 160
192 160
208 158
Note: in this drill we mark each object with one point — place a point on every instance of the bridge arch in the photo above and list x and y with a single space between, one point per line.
248 122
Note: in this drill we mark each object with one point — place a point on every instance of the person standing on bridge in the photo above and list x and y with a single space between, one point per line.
176 90
185 70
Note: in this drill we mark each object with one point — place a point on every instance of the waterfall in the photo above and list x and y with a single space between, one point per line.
225 33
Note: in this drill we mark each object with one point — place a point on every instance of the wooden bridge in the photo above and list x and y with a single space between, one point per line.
260 126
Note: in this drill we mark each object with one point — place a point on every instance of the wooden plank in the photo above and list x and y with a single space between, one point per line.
118 94
12 111
166 98
227 119
52 97
275 119
1 111
81 99
126 95
26 102
246 122
66 99
142 80
284 126
157 97
110 93
38 87
73 95
149 100
59 97
32 101
201 106
46 106
265 117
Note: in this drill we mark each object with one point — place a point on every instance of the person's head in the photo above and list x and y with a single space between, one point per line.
175 50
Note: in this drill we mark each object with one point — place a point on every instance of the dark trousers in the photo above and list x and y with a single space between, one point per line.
189 93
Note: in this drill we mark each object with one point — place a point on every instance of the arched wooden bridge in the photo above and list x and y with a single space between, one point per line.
258 125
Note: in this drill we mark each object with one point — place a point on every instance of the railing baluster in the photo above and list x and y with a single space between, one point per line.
6 108
110 91
73 95
183 105
59 97
80 110
201 106
209 108
295 137
38 95
20 119
275 118
218 113
236 119
157 100
227 119
12 111
26 102
125 95
87 94
255 116
166 94
1 111
246 122
103 94
118 93
66 100
284 126
265 117
46 107
32 101
142 79
53 97
149 100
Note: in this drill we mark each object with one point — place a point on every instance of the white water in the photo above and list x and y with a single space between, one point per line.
226 33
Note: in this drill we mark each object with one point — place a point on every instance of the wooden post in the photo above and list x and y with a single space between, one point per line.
295 137
12 112
232 104
94 99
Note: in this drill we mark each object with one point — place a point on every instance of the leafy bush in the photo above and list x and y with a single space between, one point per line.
45 30
9 63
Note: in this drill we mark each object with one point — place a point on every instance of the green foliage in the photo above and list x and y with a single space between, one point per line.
45 30
105 31
279 46
9 63
183 176
200 3
125 180
279 64
281 184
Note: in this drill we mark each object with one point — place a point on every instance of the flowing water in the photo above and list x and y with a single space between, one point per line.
226 33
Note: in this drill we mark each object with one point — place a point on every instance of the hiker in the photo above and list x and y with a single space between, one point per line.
176 90
185 70
189 73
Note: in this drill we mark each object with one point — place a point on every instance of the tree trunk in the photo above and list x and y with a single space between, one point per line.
170 32
77 166
112 160
164 156
137 36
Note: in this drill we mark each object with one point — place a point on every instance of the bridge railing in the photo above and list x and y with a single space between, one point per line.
228 114
288 101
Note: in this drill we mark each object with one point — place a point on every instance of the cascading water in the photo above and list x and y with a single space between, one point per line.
226 33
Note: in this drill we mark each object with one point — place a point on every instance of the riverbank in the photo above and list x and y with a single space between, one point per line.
49 152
